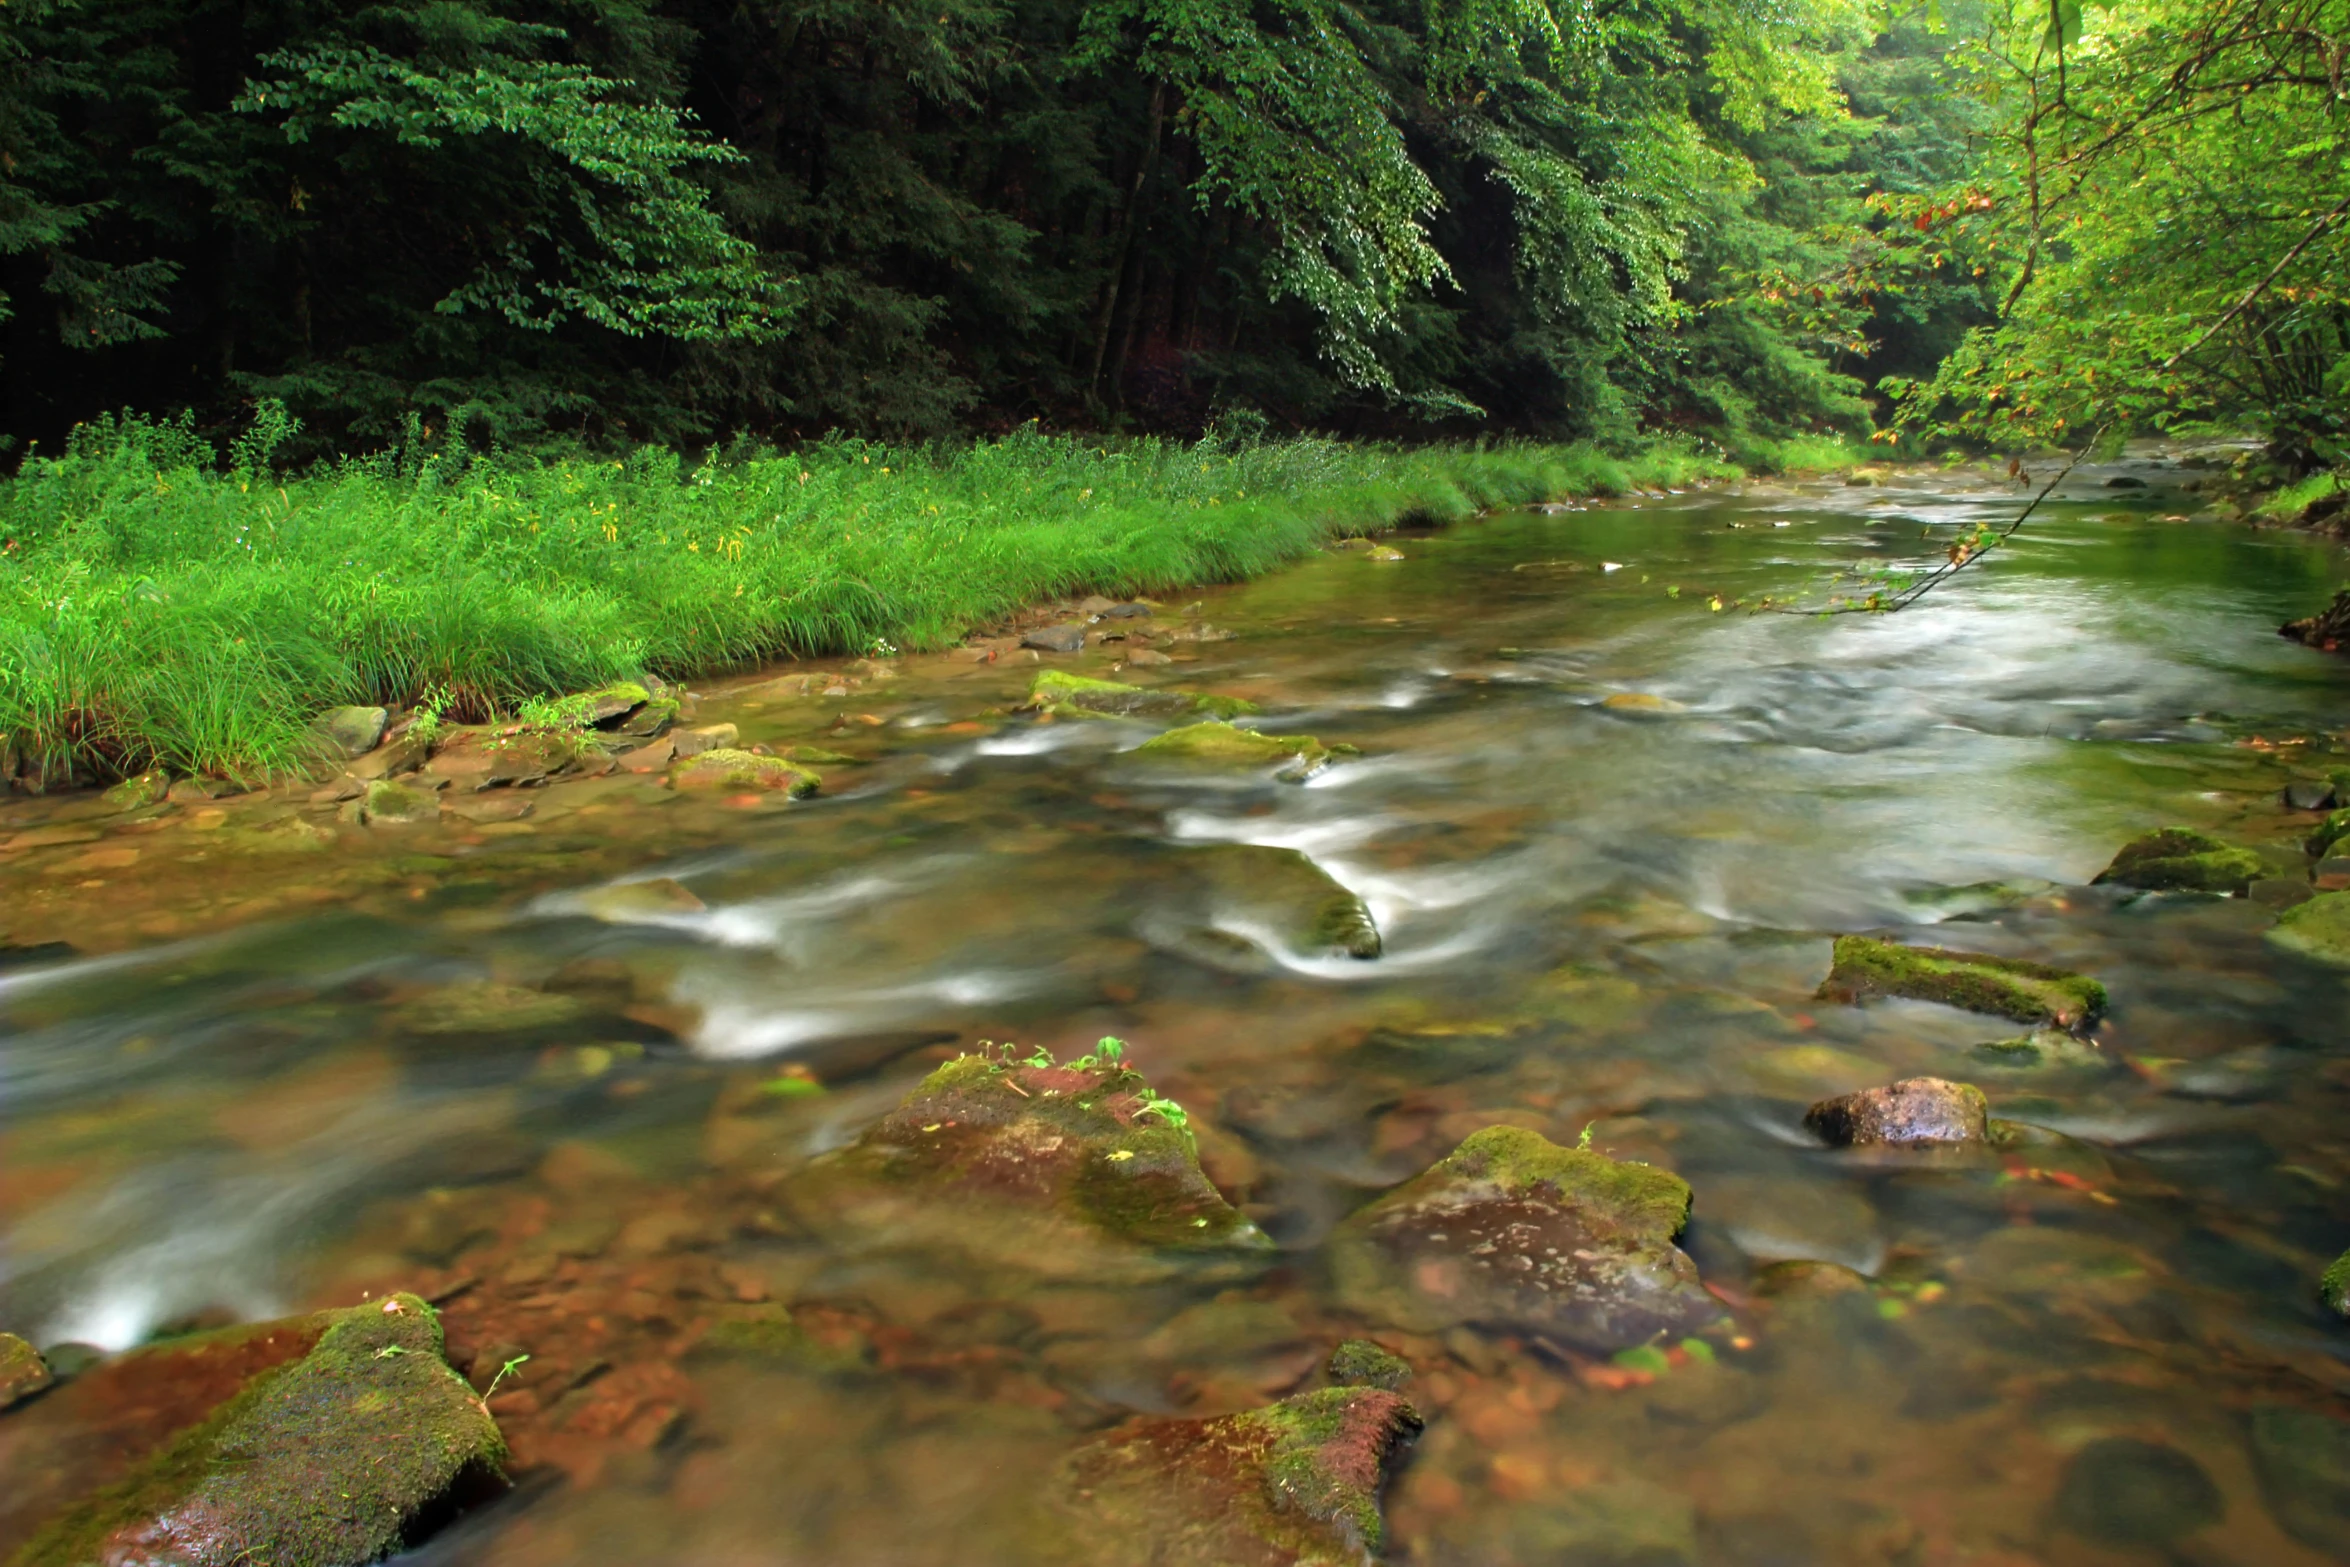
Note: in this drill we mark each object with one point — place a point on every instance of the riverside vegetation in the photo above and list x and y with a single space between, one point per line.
159 608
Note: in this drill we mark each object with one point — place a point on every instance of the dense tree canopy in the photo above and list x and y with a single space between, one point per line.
674 219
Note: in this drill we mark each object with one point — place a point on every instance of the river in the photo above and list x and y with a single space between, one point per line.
461 1063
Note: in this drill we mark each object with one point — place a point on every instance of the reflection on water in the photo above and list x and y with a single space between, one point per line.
566 1111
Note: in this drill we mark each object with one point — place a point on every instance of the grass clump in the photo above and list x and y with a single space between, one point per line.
161 607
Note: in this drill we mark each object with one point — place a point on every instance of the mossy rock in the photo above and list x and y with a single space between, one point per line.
2329 832
606 706
1309 912
650 721
347 732
2043 1050
22 1370
1295 1484
1078 696
2002 987
744 772
338 1458
1360 1363
1217 744
391 804
1512 1232
1064 1170
136 794
2318 929
2334 1286
2180 859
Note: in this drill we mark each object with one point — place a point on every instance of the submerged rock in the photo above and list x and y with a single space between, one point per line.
1077 1169
1078 696
627 901
1295 1484
2180 859
389 804
2122 1491
487 1008
22 1370
330 1460
136 794
2334 1287
2003 987
1309 911
1360 1363
1221 744
2318 929
1907 1114
2045 1049
2303 1460
1643 704
1512 1232
744 772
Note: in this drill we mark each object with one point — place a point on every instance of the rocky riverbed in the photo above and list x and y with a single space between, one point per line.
1513 1066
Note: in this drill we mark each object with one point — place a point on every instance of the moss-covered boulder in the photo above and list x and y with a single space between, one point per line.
2329 832
1295 1484
1078 696
331 1460
2334 1286
346 732
649 722
2180 859
1512 1232
1284 897
744 772
1914 1112
1075 1169
2318 929
1223 745
22 1370
2002 987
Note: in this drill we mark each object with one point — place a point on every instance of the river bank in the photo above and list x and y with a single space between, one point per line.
161 606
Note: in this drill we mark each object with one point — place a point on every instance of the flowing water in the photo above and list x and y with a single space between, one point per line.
467 1066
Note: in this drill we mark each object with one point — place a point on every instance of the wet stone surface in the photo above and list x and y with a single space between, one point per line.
1513 1232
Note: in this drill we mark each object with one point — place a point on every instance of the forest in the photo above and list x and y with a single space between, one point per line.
466 235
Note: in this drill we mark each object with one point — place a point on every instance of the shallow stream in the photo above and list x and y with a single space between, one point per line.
468 1066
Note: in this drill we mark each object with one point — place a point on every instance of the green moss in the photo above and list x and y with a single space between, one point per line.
387 801
1220 744
135 794
2330 831
1360 1363
1302 1473
1080 696
2333 1287
2002 987
1643 1199
2318 929
323 1463
22 1370
744 772
2180 859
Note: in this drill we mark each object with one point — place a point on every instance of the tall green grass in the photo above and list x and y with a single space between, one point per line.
161 605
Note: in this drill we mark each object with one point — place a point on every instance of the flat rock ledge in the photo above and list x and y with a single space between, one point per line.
1295 1484
1974 981
1059 1169
1915 1112
1511 1232
350 1448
